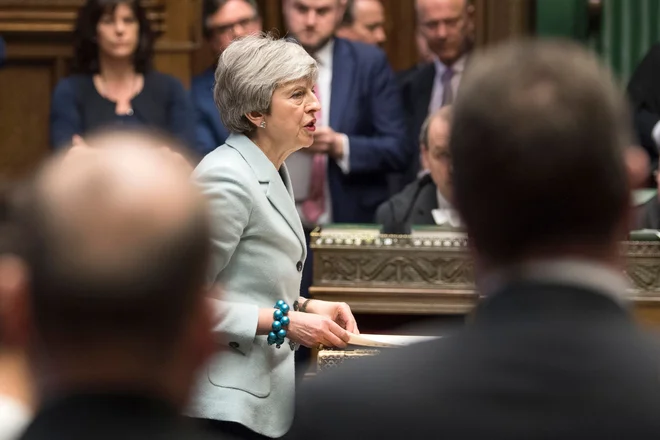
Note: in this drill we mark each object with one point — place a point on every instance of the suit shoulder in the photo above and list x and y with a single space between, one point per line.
405 198
424 71
654 51
203 80
224 162
366 53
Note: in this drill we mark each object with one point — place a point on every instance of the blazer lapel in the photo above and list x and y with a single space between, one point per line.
278 189
426 202
343 68
280 195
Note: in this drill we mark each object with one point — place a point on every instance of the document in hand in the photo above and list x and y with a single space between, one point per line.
387 340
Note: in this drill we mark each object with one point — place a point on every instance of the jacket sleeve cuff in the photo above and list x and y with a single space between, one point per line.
235 324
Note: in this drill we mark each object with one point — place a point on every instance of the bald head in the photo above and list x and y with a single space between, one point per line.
112 205
542 144
117 233
447 27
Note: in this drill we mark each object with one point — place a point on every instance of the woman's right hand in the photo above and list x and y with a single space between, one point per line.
310 330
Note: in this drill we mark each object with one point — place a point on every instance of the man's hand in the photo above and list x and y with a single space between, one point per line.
329 142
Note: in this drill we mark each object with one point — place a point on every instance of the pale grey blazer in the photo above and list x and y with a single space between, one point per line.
258 250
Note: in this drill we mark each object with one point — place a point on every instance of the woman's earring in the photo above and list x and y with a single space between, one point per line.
263 124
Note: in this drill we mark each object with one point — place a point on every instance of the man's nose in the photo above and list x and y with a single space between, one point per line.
239 30
380 36
310 19
442 31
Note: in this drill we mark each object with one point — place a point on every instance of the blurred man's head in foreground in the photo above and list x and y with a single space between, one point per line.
115 240
538 141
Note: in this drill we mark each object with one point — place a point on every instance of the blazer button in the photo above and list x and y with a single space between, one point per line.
233 344
299 266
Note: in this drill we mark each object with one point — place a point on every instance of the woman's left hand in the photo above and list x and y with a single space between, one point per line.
339 312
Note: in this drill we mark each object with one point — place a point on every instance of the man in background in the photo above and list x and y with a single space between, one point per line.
424 57
364 20
115 243
552 350
428 200
360 133
222 21
447 26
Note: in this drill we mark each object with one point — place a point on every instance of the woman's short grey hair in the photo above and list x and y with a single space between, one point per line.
250 70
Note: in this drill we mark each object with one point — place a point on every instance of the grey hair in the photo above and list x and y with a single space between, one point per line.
443 113
250 70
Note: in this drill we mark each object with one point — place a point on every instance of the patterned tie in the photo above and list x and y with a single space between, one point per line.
442 92
314 206
447 92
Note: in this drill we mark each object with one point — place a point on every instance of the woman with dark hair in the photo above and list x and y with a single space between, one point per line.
113 81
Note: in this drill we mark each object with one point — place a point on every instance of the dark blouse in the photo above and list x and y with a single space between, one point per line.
78 108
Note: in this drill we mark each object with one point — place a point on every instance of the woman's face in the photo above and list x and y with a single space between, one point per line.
292 118
118 32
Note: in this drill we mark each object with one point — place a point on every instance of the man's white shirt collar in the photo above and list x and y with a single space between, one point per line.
445 213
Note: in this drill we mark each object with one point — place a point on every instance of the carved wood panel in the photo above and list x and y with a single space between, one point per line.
58 16
431 275
24 116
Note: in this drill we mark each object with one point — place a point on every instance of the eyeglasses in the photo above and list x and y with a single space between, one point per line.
225 29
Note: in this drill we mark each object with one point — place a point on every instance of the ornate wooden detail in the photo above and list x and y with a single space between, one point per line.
376 268
58 16
430 275
329 359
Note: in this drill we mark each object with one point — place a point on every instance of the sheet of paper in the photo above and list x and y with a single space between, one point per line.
365 340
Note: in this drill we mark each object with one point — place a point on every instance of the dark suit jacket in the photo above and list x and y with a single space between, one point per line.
209 130
539 361
403 75
111 417
412 206
366 106
77 108
644 93
416 90
648 215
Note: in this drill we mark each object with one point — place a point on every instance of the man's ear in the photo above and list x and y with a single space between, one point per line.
423 156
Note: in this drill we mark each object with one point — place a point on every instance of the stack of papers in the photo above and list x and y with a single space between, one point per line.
387 340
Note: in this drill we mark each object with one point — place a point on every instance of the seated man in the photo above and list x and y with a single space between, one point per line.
428 200
644 92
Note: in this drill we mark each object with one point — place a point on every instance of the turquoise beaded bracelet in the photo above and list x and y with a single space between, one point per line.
280 324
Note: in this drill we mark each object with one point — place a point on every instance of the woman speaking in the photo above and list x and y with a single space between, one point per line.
264 91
